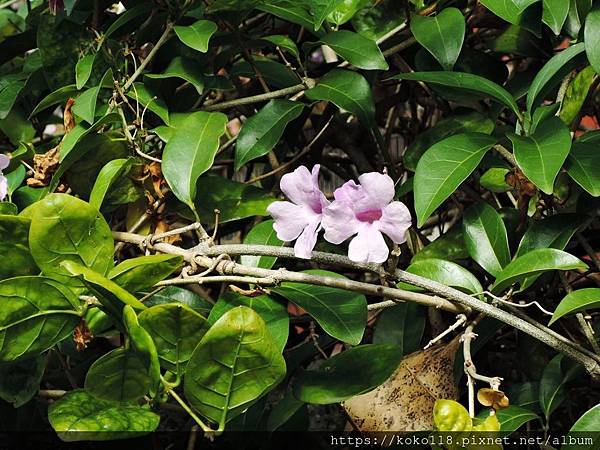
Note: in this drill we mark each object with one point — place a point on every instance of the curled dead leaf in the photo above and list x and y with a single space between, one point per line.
490 397
405 401
158 180
68 118
82 336
44 166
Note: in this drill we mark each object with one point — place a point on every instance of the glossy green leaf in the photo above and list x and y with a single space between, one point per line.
587 425
342 314
289 10
401 325
85 103
64 228
494 179
186 69
20 380
444 167
352 372
191 151
320 9
486 238
284 43
576 94
196 35
542 155
473 84
76 135
577 301
79 416
83 70
148 99
9 95
283 411
112 296
261 132
176 294
129 15
60 95
446 272
514 417
582 165
442 35
36 313
450 246
554 14
143 272
591 37
176 329
553 232
533 262
347 90
235 363
110 173
14 247
505 9
358 50
552 74
553 390
271 310
261 234
119 375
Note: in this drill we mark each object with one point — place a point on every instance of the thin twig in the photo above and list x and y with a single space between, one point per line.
308 82
460 321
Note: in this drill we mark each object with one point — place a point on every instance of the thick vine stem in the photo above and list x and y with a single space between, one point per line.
445 297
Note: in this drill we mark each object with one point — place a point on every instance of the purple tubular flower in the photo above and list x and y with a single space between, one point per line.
366 210
4 162
300 218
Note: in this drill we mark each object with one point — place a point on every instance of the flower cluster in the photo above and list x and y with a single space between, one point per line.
365 210
4 161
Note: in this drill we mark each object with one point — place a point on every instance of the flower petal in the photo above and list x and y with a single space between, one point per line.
290 219
302 187
339 222
4 161
379 187
395 221
3 187
368 246
307 240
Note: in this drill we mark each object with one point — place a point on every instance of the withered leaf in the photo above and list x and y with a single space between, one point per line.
405 401
44 166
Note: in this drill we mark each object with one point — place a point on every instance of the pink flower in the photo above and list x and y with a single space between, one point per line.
300 218
366 210
4 162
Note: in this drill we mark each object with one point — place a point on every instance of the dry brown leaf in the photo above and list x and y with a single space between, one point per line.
162 227
495 399
44 166
68 118
158 180
405 401
82 336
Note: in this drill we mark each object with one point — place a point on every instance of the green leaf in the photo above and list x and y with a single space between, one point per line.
494 179
533 262
342 314
147 99
191 151
514 417
143 272
352 372
290 11
591 37
473 84
554 14
83 70
196 35
320 9
445 272
442 35
186 69
586 425
552 74
78 416
576 301
347 90
233 199
346 10
176 329
111 172
235 363
261 234
60 95
64 228
271 310
553 384
176 294
129 15
358 50
450 246
542 155
36 313
283 411
576 94
20 380
444 167
553 232
73 137
261 132
14 247
505 9
112 296
9 95
401 325
119 375
486 238
85 103
582 165
284 43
